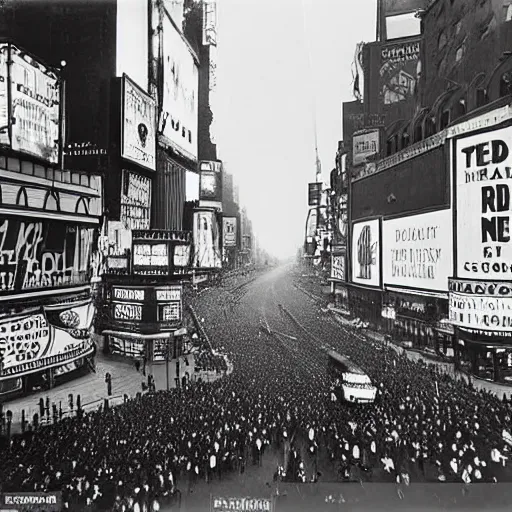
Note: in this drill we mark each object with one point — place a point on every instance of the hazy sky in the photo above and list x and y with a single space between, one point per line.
266 90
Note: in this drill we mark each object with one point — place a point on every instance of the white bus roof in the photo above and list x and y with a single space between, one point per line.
345 361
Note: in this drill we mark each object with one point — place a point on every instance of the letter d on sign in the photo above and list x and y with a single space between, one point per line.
499 151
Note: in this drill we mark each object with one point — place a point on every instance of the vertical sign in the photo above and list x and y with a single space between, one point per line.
135 201
366 253
483 173
229 231
138 124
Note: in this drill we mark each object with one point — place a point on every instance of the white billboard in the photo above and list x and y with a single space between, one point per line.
138 125
366 253
482 177
364 146
179 118
229 231
417 251
206 240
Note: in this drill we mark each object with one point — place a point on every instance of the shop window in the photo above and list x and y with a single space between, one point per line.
445 119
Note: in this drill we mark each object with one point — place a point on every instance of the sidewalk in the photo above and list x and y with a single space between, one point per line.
446 367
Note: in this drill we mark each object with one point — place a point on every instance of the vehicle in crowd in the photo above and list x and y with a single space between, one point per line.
349 382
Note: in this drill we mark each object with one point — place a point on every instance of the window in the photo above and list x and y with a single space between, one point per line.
403 25
418 133
389 147
508 12
430 126
505 85
461 108
445 119
481 97
405 139
441 42
460 52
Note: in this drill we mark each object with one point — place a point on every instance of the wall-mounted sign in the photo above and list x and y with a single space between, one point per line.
138 122
46 254
179 119
169 293
338 267
181 255
163 235
483 197
135 201
398 71
206 240
117 263
210 182
151 258
127 346
229 231
35 341
364 146
128 312
210 22
314 193
366 253
31 93
129 294
417 251
170 312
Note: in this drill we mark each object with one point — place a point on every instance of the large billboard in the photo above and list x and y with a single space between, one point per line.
135 201
206 240
138 125
417 251
366 253
398 73
364 146
482 196
179 119
229 234
56 335
29 105
38 254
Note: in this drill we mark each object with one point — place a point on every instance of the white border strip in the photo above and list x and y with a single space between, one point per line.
85 219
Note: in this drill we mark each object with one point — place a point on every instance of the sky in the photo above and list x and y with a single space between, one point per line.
275 68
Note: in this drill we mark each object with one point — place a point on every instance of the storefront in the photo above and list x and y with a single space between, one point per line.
366 304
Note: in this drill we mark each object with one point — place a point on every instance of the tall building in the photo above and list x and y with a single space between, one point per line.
427 164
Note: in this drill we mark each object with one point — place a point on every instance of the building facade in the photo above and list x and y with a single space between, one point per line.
428 192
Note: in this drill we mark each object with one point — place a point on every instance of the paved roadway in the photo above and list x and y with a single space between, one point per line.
256 308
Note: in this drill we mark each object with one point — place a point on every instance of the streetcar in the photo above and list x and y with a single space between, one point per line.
349 382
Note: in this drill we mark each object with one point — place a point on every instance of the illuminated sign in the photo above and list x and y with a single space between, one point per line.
170 312
151 255
128 312
129 294
138 126
170 293
30 95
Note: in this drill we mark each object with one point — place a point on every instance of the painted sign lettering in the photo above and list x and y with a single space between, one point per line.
170 312
135 201
128 311
168 294
150 255
129 294
483 177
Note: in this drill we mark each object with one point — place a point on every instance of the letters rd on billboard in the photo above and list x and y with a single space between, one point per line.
483 172
138 125
29 105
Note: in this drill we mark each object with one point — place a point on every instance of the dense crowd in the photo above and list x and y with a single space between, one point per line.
424 426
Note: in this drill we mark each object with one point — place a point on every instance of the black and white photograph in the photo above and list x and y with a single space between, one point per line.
255 255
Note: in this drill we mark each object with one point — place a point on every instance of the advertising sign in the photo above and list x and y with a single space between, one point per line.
209 22
417 251
482 194
338 267
206 240
127 312
150 259
314 194
398 70
169 293
181 255
138 122
210 183
170 312
366 253
34 99
129 294
229 231
135 201
364 146
179 119
34 341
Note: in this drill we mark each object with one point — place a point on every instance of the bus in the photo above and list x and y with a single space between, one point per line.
349 382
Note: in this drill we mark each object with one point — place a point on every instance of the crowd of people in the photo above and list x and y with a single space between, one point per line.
424 426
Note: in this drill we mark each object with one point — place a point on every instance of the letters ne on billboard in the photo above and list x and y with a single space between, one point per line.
482 178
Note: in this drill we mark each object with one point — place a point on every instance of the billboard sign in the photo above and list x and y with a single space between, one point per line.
135 201
366 253
179 119
314 193
417 251
483 198
210 182
206 240
398 70
29 342
229 231
230 504
29 105
210 22
150 258
138 125
364 146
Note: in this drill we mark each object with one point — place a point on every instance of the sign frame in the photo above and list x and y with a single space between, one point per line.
378 264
